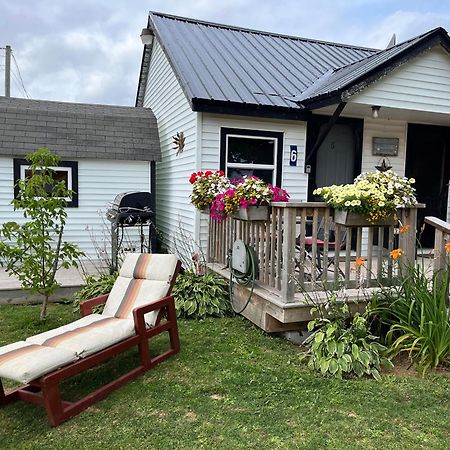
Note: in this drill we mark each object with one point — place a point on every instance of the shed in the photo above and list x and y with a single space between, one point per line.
104 150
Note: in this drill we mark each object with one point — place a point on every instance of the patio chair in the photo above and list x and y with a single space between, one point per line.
138 308
320 243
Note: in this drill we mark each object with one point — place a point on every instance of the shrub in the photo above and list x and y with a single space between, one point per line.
418 316
35 249
341 345
93 287
198 296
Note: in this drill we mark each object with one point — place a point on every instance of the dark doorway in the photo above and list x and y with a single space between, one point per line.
428 161
338 159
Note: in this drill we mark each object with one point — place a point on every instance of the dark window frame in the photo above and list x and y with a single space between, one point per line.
72 165
278 135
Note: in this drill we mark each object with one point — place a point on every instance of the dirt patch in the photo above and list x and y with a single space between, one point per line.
403 367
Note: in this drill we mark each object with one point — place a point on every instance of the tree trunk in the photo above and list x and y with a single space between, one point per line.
44 308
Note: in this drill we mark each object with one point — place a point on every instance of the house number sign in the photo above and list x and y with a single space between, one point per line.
293 155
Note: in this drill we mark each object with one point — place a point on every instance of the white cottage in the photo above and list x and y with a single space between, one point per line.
105 150
299 112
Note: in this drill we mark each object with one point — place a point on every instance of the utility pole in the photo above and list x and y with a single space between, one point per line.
8 71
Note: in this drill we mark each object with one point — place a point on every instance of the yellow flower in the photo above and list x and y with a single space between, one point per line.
396 253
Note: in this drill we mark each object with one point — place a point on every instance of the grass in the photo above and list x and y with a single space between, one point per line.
231 387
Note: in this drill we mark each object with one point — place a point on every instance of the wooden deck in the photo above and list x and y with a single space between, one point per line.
298 261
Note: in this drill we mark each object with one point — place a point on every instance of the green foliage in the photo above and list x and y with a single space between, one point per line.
341 345
418 316
198 296
94 287
34 250
231 387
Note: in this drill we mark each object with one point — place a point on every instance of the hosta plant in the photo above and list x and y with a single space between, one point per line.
198 296
342 346
94 287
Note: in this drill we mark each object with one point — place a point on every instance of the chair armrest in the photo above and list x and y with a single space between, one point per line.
87 306
139 313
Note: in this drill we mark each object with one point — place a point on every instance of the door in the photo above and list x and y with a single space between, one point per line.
338 158
427 160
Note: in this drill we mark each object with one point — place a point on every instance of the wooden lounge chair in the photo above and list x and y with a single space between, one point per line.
138 307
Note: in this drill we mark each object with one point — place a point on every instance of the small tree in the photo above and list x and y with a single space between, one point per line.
34 250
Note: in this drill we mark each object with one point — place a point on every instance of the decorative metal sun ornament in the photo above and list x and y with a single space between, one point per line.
178 142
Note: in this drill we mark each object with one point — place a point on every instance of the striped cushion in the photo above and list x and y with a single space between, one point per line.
151 266
129 293
40 338
88 337
24 362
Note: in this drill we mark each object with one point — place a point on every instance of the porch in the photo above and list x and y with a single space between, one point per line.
303 254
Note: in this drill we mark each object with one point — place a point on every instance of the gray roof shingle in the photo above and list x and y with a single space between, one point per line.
77 130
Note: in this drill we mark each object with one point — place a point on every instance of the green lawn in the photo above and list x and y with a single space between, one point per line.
231 387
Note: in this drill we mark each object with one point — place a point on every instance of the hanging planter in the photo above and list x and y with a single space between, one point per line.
252 213
352 219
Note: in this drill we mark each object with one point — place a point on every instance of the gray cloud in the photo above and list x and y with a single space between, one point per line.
89 51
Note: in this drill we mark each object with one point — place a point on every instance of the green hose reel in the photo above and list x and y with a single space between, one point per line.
244 269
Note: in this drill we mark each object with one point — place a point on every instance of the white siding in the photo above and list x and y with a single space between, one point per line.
422 84
383 128
166 99
99 181
294 180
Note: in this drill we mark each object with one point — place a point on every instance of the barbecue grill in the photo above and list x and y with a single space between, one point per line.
131 208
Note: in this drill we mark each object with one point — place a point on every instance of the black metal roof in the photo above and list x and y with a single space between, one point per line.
77 130
228 69
349 79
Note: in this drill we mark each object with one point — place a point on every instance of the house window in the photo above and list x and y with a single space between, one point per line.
251 152
67 171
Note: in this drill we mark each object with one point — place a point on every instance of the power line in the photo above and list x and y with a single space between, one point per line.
20 76
18 84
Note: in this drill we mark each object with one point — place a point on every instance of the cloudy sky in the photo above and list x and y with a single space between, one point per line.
90 51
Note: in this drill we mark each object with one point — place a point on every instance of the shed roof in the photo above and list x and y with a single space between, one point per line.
220 66
77 130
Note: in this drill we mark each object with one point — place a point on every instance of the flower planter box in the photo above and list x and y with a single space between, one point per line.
351 219
252 213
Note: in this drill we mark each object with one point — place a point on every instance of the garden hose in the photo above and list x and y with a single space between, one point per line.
243 278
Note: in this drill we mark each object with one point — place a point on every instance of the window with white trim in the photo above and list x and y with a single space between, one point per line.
67 171
251 152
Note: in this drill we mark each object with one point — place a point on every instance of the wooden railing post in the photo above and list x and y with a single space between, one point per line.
441 237
407 241
288 265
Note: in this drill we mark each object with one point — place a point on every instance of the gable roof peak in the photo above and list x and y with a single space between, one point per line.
255 31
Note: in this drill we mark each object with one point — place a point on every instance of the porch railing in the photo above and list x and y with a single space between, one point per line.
301 248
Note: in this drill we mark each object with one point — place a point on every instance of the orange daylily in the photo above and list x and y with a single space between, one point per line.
447 247
360 261
396 253
404 229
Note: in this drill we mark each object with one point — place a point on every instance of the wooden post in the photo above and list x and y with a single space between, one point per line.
407 241
288 267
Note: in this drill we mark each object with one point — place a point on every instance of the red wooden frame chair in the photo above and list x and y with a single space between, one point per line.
45 390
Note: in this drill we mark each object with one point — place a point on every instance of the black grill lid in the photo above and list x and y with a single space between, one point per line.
129 208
